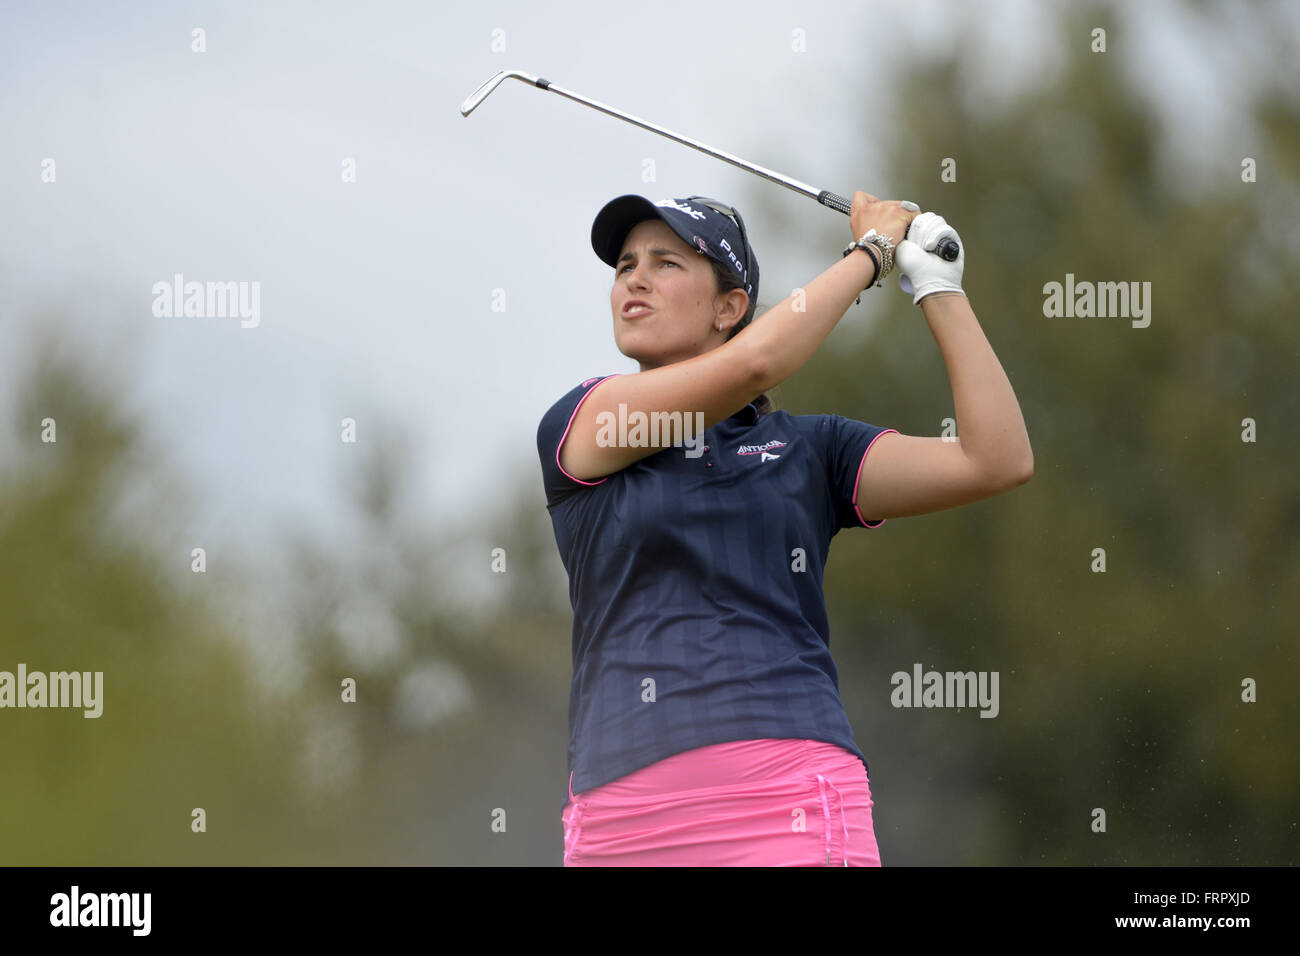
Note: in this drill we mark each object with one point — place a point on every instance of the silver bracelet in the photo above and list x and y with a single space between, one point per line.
875 262
886 247
884 263
884 244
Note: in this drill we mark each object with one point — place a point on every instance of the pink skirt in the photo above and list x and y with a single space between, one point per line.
772 802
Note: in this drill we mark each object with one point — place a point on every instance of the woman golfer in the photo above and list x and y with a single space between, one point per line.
694 521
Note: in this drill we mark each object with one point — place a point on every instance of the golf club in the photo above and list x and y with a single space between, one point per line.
947 249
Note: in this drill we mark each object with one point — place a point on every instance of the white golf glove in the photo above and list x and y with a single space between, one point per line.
921 270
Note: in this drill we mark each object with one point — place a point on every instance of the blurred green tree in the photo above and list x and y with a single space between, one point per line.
1119 690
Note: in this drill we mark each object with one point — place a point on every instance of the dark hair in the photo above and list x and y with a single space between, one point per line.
728 280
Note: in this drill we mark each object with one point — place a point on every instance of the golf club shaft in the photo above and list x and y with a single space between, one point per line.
948 248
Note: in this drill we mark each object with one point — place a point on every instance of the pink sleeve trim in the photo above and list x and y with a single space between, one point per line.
570 425
865 522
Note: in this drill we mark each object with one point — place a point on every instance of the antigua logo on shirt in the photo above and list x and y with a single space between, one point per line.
764 449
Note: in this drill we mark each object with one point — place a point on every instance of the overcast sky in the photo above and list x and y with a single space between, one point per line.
376 296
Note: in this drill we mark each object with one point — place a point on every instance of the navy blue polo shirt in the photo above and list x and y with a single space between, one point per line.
692 621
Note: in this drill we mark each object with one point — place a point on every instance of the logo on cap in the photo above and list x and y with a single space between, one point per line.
681 207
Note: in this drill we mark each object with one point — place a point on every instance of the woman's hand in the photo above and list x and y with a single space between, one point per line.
888 217
921 269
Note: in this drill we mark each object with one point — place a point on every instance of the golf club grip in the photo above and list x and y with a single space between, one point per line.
948 248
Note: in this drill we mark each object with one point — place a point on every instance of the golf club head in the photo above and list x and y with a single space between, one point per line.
478 96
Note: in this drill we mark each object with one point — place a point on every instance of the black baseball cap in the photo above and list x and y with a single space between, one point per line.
699 225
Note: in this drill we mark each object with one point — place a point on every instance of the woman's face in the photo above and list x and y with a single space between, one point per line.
677 283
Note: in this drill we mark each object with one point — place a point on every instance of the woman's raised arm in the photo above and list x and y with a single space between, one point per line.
719 382
911 475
